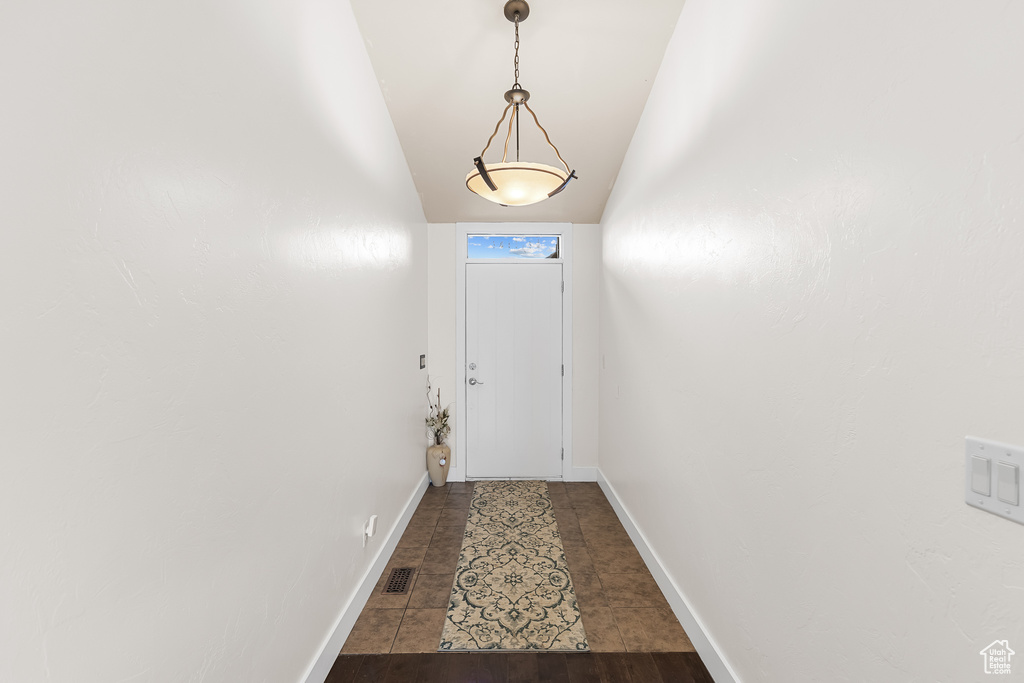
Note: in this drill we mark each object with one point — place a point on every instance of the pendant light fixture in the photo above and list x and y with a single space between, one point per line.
517 183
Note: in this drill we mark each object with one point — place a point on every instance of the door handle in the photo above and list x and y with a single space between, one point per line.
473 381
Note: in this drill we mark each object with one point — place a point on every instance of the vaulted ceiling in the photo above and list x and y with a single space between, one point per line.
444 67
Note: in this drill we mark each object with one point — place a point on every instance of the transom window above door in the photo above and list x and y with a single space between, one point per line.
513 247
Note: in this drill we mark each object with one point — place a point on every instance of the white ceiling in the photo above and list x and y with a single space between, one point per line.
444 67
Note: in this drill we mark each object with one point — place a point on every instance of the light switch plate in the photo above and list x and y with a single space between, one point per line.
1001 458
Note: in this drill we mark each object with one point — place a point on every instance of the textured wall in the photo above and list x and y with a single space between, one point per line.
811 295
586 308
212 269
441 334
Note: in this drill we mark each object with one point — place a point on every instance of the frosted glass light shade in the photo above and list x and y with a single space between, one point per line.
519 183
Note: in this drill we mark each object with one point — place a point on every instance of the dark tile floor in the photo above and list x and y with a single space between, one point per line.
623 610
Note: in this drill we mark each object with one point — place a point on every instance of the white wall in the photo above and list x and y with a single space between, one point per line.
441 327
212 269
811 295
441 334
586 291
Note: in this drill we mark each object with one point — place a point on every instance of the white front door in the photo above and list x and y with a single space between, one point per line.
514 370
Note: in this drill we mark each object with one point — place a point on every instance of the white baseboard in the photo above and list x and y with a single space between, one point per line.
321 666
709 653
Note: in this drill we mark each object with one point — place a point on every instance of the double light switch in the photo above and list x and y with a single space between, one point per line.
993 478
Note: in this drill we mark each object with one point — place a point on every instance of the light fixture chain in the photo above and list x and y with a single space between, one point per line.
516 84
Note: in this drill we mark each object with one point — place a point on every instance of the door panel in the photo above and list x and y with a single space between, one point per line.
514 338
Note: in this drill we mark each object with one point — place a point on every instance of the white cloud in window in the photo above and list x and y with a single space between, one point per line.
533 250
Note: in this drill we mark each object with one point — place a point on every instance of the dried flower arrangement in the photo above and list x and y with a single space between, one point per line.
437 419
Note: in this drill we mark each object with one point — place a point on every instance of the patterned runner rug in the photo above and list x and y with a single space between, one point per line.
512 588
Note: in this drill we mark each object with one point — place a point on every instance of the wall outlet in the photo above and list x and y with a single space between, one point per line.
369 529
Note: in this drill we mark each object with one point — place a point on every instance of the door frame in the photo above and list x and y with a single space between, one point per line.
462 232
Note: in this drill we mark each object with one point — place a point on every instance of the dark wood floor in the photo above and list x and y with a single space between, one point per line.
521 667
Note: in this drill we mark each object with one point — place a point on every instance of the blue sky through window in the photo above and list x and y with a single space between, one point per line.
513 246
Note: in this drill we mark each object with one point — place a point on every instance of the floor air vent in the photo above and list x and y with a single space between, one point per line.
398 581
